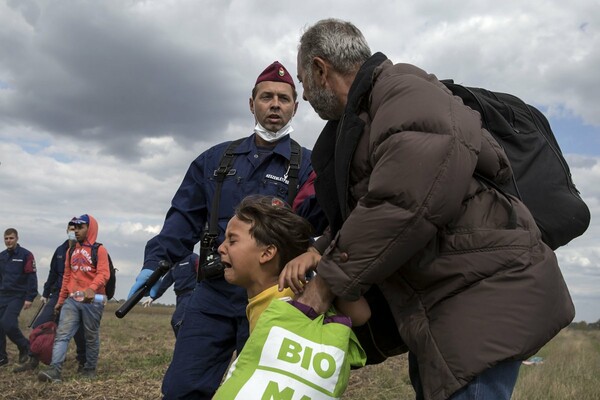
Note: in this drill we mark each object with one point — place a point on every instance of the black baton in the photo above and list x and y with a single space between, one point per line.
37 314
163 267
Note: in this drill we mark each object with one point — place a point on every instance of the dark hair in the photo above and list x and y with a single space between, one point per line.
10 231
274 223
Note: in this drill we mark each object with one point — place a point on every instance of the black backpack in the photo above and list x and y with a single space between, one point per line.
110 286
541 176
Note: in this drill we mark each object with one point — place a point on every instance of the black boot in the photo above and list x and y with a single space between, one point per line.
30 365
23 355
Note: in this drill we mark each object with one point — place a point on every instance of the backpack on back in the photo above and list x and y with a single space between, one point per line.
110 286
541 176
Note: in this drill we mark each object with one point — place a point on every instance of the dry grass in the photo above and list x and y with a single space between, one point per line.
134 354
136 350
385 381
571 369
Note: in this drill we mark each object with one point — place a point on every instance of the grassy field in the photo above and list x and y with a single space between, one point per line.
136 350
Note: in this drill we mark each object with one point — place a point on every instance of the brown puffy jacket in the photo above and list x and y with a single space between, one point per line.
395 178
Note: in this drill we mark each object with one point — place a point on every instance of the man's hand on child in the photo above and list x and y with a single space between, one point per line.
294 273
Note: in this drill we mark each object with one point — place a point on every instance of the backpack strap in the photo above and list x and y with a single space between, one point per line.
94 253
293 170
512 214
212 231
220 174
225 166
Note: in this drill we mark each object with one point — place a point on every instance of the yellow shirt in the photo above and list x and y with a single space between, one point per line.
260 302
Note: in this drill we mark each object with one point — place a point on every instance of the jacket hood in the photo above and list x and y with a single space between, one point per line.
92 232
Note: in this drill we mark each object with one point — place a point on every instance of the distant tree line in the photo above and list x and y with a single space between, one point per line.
584 326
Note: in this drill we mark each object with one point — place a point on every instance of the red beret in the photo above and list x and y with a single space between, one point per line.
276 73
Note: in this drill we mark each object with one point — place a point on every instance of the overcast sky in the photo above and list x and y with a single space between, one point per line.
103 104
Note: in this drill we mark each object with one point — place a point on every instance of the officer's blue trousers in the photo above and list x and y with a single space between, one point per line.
203 350
181 304
10 308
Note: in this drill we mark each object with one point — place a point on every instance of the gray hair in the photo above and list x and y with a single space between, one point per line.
339 42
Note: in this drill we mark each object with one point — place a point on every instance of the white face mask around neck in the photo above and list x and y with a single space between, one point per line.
273 136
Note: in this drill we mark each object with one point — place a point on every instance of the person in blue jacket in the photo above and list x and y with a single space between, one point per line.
18 289
183 276
49 299
215 323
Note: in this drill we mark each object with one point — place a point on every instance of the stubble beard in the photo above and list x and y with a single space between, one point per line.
323 101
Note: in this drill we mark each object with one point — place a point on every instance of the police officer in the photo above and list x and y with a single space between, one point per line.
18 289
183 278
215 323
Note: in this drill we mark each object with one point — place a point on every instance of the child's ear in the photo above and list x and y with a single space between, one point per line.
268 254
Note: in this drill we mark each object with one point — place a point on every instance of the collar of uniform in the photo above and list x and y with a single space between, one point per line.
283 146
17 249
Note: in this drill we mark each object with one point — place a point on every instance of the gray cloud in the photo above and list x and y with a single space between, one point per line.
111 74
89 73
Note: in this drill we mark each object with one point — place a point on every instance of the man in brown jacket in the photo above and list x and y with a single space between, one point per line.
471 291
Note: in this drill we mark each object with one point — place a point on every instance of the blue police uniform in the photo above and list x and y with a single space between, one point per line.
183 278
52 291
215 321
53 284
18 283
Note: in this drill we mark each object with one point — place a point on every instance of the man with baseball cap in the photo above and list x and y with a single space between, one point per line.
86 275
215 323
